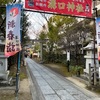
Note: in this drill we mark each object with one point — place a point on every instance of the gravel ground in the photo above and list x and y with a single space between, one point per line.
8 93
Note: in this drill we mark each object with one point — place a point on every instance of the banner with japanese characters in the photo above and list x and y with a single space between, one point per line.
98 36
13 16
66 7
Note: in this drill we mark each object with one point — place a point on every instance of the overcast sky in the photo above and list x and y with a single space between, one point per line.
37 21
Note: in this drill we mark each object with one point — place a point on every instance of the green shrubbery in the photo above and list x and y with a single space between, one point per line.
76 70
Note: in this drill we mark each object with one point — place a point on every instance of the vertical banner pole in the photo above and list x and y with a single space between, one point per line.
17 75
95 15
13 43
18 60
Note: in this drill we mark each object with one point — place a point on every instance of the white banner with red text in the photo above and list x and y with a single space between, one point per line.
98 36
13 17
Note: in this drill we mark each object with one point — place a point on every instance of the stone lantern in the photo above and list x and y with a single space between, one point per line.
3 62
90 56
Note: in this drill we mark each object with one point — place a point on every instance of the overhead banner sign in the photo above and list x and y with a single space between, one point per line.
66 7
98 36
13 16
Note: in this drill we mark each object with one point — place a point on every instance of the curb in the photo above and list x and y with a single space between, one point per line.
81 80
34 88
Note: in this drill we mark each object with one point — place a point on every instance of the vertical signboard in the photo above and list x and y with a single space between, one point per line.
68 55
13 16
66 7
98 36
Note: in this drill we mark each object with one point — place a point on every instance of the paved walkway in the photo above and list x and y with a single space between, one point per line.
52 86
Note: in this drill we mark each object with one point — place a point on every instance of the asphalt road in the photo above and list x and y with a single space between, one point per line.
48 85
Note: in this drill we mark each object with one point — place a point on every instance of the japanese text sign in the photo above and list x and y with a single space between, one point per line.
66 7
13 16
98 36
